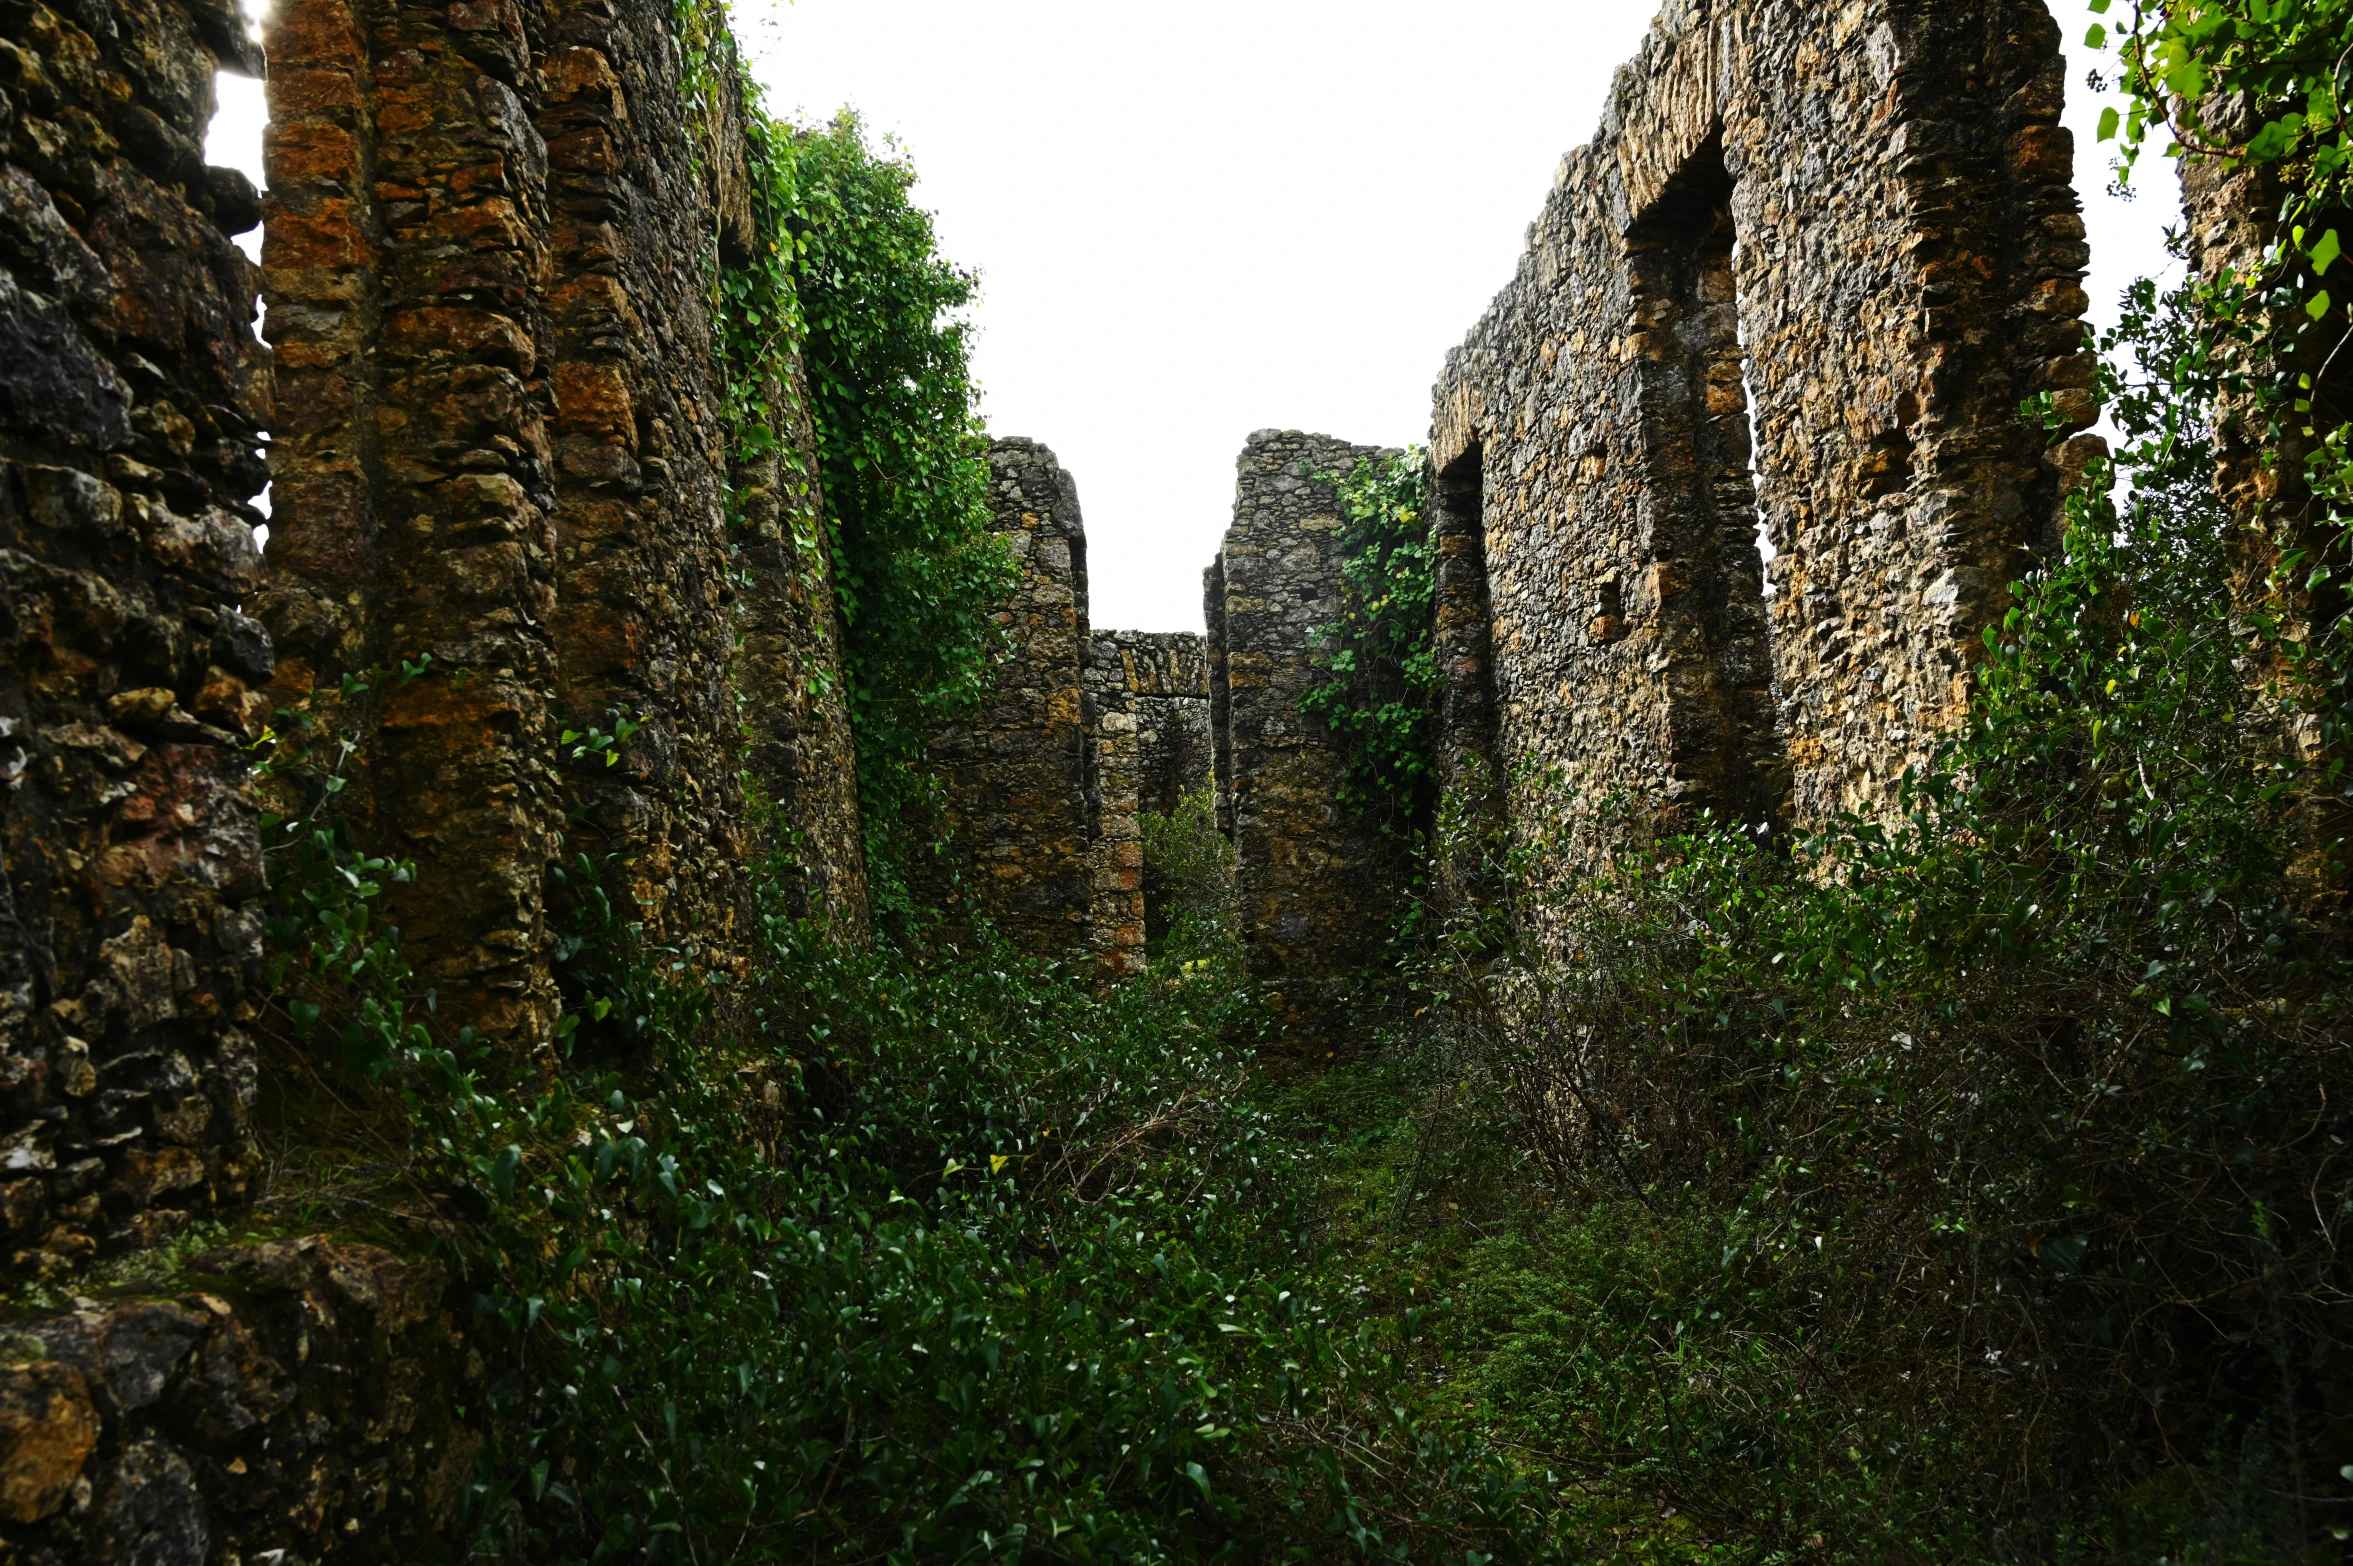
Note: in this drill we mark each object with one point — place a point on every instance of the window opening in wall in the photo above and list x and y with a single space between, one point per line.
1701 582
1465 648
1748 391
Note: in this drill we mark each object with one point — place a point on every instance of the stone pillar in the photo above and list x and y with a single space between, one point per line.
489 258
788 676
2232 222
1221 696
1018 778
1317 884
131 391
406 258
1115 732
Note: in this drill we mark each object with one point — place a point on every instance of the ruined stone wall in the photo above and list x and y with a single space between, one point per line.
1861 214
488 257
493 425
1018 778
131 394
788 677
1316 883
296 1400
1148 707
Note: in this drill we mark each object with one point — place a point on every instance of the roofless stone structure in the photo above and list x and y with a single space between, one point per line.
490 403
1798 284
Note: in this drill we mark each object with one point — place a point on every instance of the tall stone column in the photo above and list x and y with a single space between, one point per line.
406 260
1317 882
1019 779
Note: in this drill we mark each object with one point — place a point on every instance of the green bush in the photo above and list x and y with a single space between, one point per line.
2001 1140
904 463
1188 874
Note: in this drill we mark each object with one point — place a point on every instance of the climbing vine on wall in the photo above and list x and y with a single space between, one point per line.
844 270
903 459
2261 85
1381 656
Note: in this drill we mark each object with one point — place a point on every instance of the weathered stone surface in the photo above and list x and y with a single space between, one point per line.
47 1431
1860 214
131 393
1018 778
788 675
295 1400
2232 224
487 253
1317 883
1148 713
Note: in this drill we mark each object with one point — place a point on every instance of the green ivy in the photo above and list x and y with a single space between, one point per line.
2262 85
843 289
1379 696
906 477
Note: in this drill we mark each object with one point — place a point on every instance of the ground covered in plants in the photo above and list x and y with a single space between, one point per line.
1962 1187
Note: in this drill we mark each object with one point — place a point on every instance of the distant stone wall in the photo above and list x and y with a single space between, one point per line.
1862 214
1018 778
1316 883
1148 700
132 393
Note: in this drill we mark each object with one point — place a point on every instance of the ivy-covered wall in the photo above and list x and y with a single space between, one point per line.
1317 874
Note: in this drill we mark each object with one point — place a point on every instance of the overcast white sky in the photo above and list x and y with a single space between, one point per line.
1196 221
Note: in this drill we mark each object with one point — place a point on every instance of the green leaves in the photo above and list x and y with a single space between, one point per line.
918 567
1381 653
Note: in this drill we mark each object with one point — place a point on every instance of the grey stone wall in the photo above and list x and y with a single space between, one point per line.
487 252
1148 703
1862 214
1316 884
1018 778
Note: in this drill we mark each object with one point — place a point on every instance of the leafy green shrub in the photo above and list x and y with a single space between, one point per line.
2010 1124
1381 653
1188 873
903 455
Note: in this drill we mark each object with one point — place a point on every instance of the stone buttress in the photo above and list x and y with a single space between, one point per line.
1018 777
488 264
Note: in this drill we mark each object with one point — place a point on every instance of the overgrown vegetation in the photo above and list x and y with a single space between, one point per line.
844 272
1188 873
906 477
1380 654
1961 1187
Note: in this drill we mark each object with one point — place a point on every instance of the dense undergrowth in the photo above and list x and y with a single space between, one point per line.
1964 1186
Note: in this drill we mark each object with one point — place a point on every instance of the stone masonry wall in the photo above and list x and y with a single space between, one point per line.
289 1401
1862 214
131 394
1316 884
1148 704
486 259
493 426
1018 777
